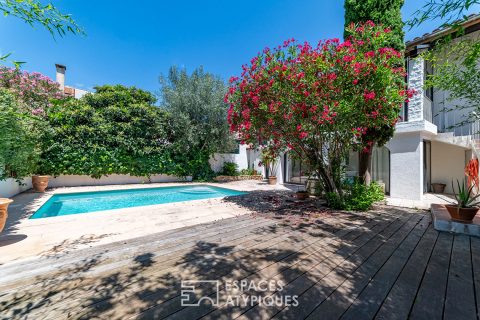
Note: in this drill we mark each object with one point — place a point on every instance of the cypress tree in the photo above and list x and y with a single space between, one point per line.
388 13
385 12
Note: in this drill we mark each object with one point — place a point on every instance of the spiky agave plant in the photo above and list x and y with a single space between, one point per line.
465 196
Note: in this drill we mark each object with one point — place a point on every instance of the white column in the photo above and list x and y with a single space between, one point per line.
281 169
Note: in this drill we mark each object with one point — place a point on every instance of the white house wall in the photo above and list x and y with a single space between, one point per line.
448 164
406 165
218 159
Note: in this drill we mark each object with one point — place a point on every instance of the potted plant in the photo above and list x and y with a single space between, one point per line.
438 187
40 183
269 159
272 173
302 194
466 207
4 202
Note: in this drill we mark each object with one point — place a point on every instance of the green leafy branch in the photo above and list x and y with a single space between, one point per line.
450 11
33 12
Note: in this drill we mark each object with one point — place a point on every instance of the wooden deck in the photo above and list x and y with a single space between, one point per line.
387 264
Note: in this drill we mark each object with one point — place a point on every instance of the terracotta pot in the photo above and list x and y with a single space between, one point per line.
461 214
40 183
4 202
302 195
272 180
438 187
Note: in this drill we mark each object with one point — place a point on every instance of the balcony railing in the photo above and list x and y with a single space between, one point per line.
452 121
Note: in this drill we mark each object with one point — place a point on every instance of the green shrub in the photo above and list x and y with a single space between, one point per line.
357 197
116 130
230 169
334 201
18 138
248 172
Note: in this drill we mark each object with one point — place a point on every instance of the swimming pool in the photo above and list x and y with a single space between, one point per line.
83 202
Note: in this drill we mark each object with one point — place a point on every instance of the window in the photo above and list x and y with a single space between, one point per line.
235 148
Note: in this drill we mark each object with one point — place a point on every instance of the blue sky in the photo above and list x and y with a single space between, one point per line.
132 44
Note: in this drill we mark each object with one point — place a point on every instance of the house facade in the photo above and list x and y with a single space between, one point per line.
431 145
428 146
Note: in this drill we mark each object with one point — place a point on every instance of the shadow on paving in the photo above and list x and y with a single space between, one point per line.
16 213
303 215
148 284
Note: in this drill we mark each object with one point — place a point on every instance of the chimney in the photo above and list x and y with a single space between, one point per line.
61 75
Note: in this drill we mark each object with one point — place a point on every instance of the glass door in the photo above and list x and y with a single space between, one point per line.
381 166
427 166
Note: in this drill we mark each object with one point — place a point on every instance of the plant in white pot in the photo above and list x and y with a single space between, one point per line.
269 160
467 205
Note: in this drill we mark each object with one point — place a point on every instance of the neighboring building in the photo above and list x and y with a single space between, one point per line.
428 146
69 91
245 157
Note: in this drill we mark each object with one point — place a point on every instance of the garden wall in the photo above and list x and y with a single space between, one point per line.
74 180
240 158
243 159
10 187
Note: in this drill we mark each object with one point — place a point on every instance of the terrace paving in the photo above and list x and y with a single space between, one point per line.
26 238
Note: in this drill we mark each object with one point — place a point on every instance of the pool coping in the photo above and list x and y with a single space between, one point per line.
26 238
38 203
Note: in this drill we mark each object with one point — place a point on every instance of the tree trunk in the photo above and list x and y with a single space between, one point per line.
365 166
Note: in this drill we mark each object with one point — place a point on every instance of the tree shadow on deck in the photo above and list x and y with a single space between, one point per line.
146 281
309 215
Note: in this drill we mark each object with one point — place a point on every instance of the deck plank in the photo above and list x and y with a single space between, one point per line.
430 299
101 300
123 253
385 264
460 297
399 301
289 273
313 292
369 299
475 254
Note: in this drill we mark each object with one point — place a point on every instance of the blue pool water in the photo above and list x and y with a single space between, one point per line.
83 202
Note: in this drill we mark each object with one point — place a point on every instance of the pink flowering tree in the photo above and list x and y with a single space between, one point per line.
34 92
320 102
24 99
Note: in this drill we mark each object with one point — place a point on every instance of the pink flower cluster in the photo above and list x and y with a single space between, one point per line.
280 94
34 91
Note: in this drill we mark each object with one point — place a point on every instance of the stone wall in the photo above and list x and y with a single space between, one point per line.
415 81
